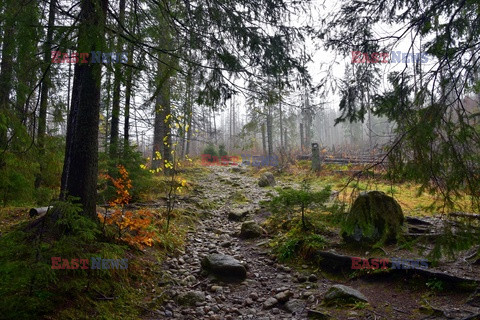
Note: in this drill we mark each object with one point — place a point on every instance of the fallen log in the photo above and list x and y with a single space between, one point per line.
416 221
38 212
334 261
465 215
41 211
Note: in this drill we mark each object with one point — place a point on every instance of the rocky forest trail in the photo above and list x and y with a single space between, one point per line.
271 290
196 296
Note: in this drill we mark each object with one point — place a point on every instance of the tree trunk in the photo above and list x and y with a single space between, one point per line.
307 122
281 126
80 168
116 90
128 95
162 138
107 109
264 140
301 138
42 117
6 70
270 132
214 126
187 124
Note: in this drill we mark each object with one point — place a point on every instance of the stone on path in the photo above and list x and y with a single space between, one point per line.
191 298
224 266
238 214
250 229
269 303
374 216
340 294
314 314
283 297
295 306
267 179
239 170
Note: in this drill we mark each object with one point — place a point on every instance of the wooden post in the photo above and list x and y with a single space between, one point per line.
316 162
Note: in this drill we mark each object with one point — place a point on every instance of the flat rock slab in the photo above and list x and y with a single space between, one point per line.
225 267
338 294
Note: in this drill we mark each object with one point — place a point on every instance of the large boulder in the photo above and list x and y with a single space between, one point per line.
374 216
267 179
339 294
224 267
250 230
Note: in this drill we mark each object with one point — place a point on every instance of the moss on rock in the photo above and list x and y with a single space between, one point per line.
374 216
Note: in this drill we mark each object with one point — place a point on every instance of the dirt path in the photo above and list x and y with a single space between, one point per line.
193 295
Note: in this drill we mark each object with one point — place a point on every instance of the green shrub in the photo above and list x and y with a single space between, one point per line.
297 243
290 199
210 149
221 151
17 177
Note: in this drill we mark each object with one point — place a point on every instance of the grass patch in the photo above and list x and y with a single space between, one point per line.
31 289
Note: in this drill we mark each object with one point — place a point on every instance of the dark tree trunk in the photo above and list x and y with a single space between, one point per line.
128 95
6 70
270 132
162 138
42 116
187 124
116 90
80 169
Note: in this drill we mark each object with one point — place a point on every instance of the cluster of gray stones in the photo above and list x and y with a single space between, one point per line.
226 273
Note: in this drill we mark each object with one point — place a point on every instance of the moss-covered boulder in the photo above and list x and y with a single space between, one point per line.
374 217
267 179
